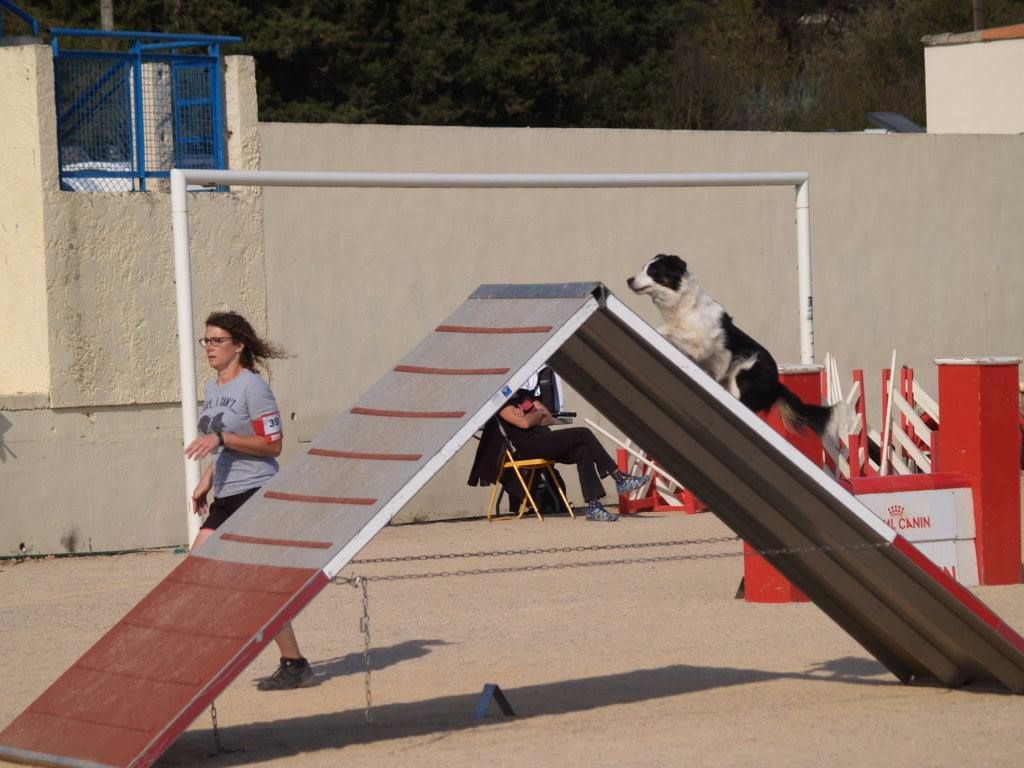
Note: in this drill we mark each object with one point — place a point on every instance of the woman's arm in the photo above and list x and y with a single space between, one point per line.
254 445
199 505
250 445
529 414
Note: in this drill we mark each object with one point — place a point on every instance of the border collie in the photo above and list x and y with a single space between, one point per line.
701 328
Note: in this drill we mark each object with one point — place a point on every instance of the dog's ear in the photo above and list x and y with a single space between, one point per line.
677 263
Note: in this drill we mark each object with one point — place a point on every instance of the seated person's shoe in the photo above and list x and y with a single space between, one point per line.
626 483
292 673
597 513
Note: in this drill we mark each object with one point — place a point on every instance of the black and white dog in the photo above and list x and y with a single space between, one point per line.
701 328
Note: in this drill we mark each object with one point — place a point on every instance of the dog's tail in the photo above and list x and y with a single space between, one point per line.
797 415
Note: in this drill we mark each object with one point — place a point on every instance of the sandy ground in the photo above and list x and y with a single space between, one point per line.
626 664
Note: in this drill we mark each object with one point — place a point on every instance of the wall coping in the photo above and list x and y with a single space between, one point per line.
1012 32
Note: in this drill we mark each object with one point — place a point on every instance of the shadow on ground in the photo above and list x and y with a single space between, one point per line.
380 658
276 739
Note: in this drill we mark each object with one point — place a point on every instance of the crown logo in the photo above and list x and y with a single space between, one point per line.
896 510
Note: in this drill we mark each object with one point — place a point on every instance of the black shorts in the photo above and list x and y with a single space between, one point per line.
224 507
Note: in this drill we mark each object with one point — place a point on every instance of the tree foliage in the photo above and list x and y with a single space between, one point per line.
696 64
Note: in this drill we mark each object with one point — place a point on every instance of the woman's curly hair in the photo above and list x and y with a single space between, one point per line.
256 349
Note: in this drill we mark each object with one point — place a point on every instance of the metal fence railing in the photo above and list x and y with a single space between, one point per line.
125 118
14 10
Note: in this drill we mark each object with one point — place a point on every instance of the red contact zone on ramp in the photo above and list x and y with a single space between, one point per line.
130 695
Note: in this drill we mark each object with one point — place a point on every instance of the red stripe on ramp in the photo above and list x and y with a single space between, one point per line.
276 542
366 456
965 596
281 496
451 371
410 414
483 329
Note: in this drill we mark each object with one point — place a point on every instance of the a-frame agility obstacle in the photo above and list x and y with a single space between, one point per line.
130 695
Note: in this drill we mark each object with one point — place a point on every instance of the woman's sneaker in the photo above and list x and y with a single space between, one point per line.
626 483
293 673
597 512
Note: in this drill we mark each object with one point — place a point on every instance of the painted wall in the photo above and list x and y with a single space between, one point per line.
90 430
26 100
914 240
974 83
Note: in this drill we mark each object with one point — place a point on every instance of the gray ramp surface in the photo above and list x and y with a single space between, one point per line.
199 628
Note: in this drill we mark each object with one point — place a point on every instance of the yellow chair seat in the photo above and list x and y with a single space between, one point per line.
531 467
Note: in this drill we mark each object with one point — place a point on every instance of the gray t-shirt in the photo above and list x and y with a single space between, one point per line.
243 406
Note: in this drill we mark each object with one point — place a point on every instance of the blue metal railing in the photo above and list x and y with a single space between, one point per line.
124 118
7 5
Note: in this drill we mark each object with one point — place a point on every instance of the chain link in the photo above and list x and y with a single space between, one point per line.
216 734
589 563
543 551
360 582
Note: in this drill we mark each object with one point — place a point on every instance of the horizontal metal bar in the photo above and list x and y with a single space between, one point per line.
128 35
179 44
491 180
65 54
21 14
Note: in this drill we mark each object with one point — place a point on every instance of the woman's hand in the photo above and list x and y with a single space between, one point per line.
546 419
202 447
199 505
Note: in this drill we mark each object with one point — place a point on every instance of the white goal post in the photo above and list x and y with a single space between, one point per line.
182 178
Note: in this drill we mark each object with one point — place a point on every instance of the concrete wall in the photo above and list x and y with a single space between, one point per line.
915 243
26 100
90 432
914 240
974 82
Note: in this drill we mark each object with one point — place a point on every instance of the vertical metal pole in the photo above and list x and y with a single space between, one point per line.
217 98
139 115
186 336
803 255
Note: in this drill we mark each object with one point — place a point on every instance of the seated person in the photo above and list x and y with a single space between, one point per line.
527 421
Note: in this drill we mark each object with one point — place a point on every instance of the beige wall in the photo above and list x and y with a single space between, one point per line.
915 244
26 101
914 240
975 87
90 430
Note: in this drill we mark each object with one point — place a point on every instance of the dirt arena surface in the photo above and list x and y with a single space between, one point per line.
634 663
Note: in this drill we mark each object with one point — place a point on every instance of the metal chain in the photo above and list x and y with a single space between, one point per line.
216 734
596 563
543 551
359 582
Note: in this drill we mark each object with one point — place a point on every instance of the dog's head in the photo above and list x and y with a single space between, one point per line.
660 277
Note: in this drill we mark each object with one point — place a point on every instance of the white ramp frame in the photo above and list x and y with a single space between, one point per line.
182 178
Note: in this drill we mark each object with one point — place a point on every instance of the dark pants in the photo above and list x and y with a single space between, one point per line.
225 507
574 445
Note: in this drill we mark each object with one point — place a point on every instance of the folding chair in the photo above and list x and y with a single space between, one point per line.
531 467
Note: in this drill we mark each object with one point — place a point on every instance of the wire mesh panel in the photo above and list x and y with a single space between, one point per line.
125 119
94 123
194 112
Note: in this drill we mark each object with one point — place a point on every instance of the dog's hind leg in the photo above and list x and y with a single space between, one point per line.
738 380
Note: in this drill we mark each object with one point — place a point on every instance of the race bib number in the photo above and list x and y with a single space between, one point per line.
268 426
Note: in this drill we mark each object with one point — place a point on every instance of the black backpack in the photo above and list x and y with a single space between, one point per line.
543 493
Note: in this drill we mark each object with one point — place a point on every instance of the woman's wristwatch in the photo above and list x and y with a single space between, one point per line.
220 438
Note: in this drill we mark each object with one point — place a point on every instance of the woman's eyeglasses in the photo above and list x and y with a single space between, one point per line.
214 340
